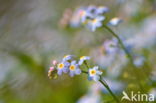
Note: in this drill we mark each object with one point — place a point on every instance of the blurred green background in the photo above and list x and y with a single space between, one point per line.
31 36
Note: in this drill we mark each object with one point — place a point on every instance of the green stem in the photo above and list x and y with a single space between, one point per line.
120 42
104 84
84 72
127 53
110 91
86 64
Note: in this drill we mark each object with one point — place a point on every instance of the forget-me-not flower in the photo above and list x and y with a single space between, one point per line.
94 73
74 69
82 59
63 67
68 57
95 23
111 46
114 21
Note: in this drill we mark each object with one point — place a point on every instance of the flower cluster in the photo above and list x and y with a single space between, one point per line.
71 65
92 17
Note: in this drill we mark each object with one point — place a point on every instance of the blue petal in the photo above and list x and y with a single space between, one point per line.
71 73
78 71
96 78
59 72
65 70
80 62
73 62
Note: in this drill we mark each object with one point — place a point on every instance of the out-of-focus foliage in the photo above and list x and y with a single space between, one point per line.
31 36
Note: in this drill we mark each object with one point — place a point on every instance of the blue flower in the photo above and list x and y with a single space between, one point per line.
74 69
82 59
94 73
95 23
85 15
68 57
139 61
111 46
91 9
115 21
63 67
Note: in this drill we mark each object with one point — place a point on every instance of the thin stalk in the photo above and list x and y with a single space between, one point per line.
120 42
86 64
104 84
126 52
110 91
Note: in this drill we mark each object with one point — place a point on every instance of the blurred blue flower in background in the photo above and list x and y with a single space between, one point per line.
102 10
114 21
111 46
92 96
139 61
95 23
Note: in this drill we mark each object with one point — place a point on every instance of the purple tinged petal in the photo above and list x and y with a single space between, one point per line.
71 73
78 71
80 62
73 62
65 70
59 72
99 24
102 10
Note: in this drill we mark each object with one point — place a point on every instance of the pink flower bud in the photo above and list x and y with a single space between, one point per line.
51 69
55 62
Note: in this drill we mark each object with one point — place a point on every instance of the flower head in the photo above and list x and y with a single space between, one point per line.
91 16
102 10
63 67
68 57
111 46
139 61
95 23
74 69
94 73
114 21
78 17
82 59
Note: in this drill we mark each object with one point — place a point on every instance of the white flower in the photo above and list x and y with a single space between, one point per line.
94 73
114 21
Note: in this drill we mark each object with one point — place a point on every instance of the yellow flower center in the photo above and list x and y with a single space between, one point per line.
94 21
65 56
72 67
82 57
60 66
92 72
